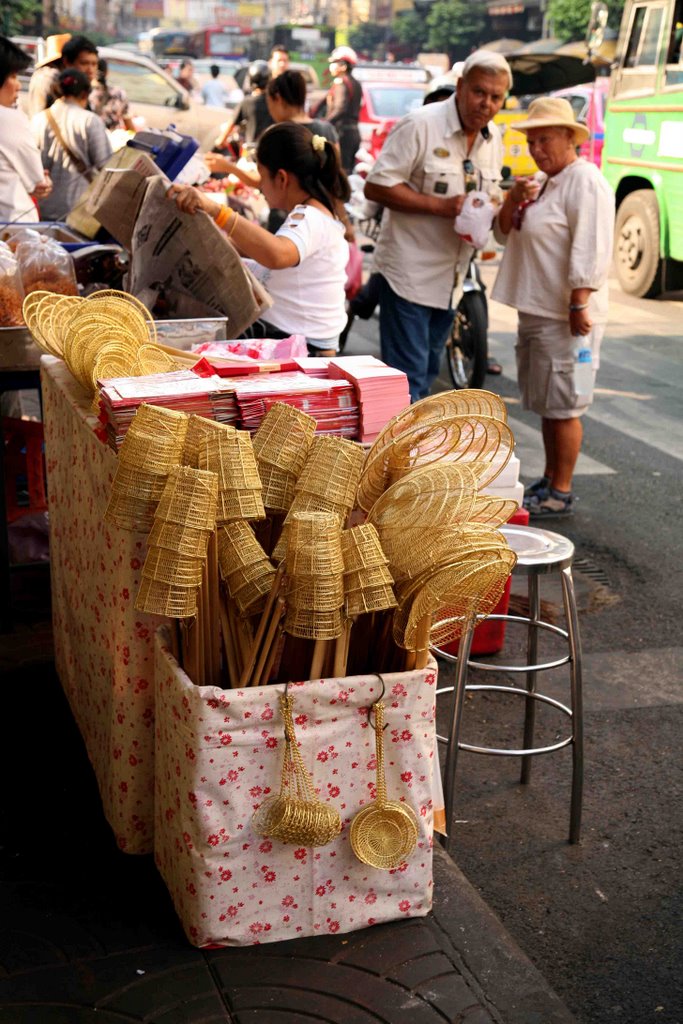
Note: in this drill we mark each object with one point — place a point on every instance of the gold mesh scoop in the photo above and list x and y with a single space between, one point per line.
296 815
383 834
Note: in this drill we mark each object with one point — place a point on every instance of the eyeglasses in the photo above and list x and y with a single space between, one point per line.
470 175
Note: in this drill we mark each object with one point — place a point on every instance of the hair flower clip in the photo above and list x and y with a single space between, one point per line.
319 143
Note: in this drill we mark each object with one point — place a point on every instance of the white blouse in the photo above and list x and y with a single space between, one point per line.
565 242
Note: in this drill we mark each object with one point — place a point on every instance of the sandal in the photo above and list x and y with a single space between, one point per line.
537 487
553 505
493 367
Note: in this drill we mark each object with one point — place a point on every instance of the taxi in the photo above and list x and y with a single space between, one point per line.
389 92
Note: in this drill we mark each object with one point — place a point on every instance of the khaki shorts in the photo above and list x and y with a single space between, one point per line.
545 366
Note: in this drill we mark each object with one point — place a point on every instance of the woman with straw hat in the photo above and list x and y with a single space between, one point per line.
558 230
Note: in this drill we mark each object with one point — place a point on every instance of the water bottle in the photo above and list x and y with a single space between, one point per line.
583 366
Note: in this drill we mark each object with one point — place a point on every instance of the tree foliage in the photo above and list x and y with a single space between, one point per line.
569 18
366 37
15 14
411 30
455 26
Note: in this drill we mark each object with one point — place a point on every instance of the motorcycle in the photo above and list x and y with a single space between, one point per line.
467 345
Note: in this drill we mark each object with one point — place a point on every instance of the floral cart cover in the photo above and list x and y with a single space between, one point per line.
218 756
104 648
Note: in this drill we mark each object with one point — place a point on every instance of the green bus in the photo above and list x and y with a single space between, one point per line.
643 152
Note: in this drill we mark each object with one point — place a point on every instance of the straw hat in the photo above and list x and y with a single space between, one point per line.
552 112
53 49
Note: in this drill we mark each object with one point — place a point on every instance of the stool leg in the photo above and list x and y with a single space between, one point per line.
531 659
575 682
459 686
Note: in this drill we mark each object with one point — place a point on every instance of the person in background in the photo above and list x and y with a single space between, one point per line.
286 99
214 93
252 116
21 172
109 102
73 142
41 87
278 61
77 52
343 103
430 159
185 76
558 228
303 266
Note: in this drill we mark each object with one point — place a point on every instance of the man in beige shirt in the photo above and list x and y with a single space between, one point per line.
422 174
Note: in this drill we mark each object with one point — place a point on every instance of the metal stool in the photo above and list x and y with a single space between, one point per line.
539 552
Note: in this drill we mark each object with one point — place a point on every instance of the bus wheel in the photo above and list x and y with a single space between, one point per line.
636 245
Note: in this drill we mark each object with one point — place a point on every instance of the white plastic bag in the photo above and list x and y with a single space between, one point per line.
473 223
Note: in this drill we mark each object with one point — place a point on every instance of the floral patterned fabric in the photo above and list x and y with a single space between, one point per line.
218 756
103 648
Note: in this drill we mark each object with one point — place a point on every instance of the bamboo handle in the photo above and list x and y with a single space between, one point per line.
318 658
422 642
228 646
269 641
262 626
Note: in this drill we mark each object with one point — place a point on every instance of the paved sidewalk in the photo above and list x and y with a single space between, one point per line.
91 936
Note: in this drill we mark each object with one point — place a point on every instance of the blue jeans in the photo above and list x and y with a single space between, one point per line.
412 338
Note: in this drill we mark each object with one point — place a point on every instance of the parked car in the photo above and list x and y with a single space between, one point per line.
589 103
156 97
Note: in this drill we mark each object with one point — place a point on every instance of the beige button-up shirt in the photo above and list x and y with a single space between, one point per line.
565 242
420 253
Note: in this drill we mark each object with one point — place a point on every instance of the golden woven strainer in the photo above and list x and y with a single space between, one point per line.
384 834
296 815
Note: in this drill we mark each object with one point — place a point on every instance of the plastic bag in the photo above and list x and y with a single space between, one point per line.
11 291
46 266
473 223
15 236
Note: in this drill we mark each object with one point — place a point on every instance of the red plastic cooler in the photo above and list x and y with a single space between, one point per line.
489 637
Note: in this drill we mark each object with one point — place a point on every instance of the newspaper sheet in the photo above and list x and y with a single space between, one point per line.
187 254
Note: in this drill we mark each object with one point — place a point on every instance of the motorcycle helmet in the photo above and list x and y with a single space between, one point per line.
439 89
259 74
343 55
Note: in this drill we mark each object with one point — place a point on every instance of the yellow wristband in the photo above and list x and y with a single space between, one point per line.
235 218
221 217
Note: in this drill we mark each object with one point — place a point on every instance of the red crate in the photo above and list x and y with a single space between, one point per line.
23 459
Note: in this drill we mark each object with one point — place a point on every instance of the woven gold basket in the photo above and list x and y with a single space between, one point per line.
384 834
173 569
158 598
278 488
284 438
189 498
314 547
231 457
296 815
332 470
185 540
199 429
361 548
311 625
317 593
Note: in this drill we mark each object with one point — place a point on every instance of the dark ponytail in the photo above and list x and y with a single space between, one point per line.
73 83
292 147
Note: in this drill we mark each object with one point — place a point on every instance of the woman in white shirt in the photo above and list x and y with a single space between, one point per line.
21 172
73 141
303 266
558 228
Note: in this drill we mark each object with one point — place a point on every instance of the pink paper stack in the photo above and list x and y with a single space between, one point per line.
381 390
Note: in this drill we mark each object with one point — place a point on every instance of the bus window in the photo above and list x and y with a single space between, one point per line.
674 59
631 57
650 45
639 68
